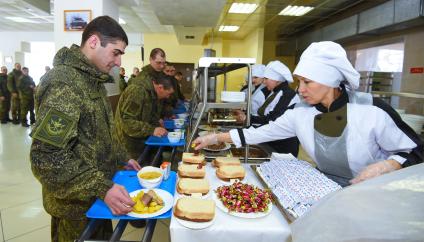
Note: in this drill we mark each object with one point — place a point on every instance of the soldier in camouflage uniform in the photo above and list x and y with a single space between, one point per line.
157 64
122 82
177 95
73 152
26 87
138 113
4 96
135 73
12 79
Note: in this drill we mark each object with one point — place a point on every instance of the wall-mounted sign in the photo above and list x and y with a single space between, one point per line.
415 70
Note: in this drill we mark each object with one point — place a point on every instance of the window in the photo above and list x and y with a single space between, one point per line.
42 54
385 58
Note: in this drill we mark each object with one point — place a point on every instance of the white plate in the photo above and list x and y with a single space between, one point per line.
241 215
194 225
232 100
208 128
227 146
167 198
204 132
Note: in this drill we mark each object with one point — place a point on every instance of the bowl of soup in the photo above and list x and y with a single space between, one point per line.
179 122
174 137
150 177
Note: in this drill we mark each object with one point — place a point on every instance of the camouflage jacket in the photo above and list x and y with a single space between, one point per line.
73 152
23 85
147 73
137 115
122 83
12 79
3 86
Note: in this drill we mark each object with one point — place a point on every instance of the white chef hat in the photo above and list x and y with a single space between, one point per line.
326 62
275 70
258 70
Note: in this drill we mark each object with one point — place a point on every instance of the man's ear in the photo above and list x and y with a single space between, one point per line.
93 41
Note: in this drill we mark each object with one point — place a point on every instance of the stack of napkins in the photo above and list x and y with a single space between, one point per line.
296 183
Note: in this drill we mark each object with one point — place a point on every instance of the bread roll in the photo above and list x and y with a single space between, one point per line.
189 186
226 161
193 158
191 170
194 209
227 173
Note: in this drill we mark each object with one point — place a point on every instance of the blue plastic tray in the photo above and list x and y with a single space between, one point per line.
128 179
163 141
169 124
179 109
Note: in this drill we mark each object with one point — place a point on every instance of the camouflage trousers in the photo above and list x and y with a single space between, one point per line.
15 107
5 108
27 105
65 230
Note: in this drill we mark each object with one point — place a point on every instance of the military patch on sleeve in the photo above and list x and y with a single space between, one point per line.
55 128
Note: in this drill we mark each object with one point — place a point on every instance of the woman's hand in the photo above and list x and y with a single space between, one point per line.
240 116
204 141
375 170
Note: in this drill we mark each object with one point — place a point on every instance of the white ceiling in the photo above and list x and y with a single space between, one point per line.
193 18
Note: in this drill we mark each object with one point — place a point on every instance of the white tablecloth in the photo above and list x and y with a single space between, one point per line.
273 227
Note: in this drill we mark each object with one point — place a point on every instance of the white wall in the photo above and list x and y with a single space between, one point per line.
10 43
67 38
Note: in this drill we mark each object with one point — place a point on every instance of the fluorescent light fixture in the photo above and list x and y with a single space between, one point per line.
295 10
121 21
243 8
21 20
228 28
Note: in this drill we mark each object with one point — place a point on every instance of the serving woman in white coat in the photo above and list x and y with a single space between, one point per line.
277 78
259 92
351 136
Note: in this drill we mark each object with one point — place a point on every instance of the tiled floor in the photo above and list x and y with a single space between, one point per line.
22 217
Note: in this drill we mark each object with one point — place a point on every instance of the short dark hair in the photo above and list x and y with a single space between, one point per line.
178 73
25 68
157 51
108 30
164 80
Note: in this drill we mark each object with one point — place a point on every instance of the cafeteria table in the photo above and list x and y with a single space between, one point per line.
99 210
228 228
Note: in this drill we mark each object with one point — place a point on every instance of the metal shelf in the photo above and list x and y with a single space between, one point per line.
399 94
223 105
212 67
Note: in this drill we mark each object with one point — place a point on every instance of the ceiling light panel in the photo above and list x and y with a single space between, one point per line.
245 8
228 28
21 20
295 10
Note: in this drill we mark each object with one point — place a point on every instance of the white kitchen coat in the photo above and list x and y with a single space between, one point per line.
258 98
372 134
274 102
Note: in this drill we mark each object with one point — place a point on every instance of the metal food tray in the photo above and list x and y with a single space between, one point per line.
289 214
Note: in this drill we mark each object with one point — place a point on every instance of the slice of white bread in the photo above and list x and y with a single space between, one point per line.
227 173
189 186
193 158
191 170
194 209
226 161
